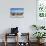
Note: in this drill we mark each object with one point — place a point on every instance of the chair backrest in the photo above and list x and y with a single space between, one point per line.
14 30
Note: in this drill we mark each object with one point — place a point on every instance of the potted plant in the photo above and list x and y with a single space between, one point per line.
39 35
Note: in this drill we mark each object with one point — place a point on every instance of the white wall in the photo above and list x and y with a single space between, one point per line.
23 23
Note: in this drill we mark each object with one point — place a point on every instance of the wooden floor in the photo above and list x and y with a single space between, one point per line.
13 44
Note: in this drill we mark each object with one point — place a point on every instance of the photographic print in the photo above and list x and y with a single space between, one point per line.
16 12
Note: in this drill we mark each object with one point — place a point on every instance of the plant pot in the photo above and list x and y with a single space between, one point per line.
38 40
42 40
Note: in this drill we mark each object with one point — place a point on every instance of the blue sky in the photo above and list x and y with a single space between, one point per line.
17 10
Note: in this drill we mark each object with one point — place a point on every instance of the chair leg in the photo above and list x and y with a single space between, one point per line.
5 39
17 39
5 43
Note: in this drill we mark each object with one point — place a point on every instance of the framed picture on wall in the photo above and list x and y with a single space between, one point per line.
16 12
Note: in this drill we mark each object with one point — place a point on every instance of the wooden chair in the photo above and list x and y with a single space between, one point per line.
27 37
8 34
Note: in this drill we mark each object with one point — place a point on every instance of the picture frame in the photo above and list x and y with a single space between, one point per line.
16 12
